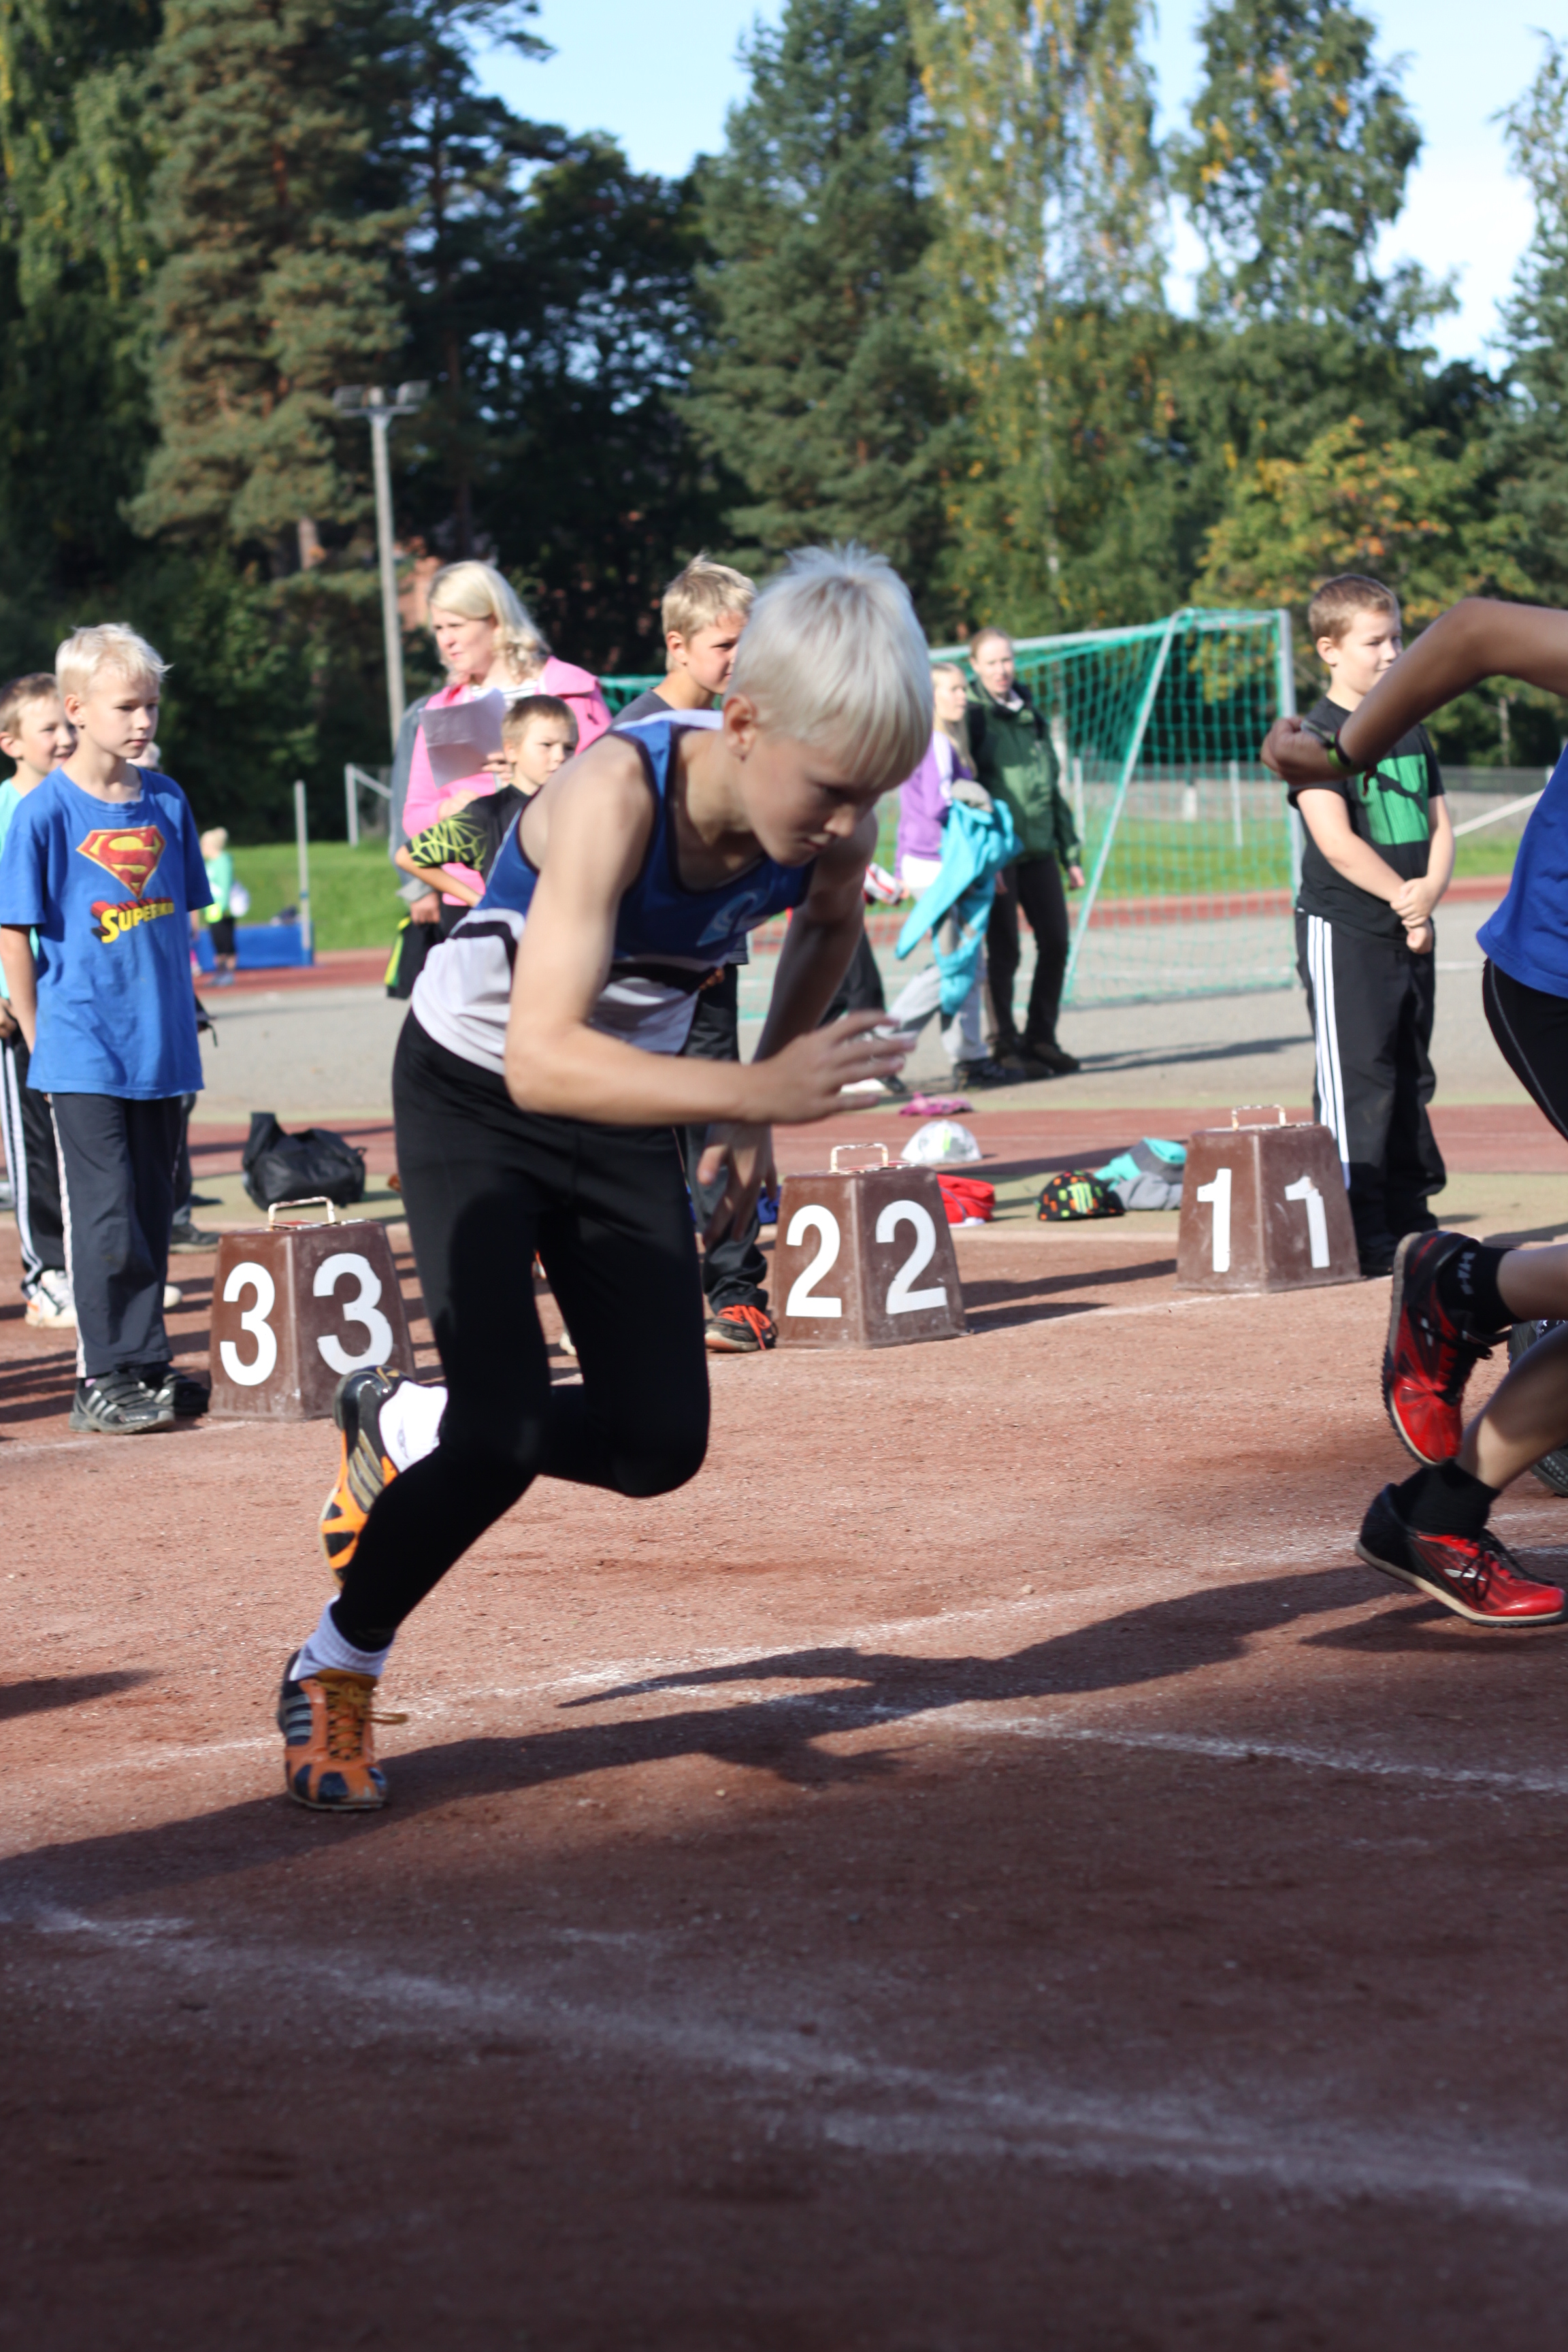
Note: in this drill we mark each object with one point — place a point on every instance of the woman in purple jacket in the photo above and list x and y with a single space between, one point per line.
923 802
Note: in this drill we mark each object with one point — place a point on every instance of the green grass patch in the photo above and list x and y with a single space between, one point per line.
353 892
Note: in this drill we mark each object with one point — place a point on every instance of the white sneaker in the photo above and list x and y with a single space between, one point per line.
173 1297
49 1304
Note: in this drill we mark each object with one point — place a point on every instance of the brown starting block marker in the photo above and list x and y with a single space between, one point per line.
864 1258
295 1308
1264 1208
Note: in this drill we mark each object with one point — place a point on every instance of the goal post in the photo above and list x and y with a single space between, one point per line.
1187 839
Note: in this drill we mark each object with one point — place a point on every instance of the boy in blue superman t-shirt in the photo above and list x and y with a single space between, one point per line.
102 862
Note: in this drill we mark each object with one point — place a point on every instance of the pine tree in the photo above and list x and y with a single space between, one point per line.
819 387
1048 309
277 282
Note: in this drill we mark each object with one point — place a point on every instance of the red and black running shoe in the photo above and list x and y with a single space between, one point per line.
1474 1576
1430 1353
740 1331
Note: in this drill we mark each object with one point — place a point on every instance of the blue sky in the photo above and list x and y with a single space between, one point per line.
660 80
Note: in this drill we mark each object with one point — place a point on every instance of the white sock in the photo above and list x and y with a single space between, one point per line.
410 1421
326 1648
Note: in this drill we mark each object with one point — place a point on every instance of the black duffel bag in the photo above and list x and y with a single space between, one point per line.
315 1166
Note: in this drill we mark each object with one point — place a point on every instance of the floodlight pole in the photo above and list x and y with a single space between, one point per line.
391 621
378 408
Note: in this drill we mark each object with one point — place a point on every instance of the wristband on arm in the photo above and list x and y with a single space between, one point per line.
1329 737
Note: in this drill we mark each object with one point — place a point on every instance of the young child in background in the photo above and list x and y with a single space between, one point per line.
539 735
101 863
1378 856
220 916
946 773
702 614
36 734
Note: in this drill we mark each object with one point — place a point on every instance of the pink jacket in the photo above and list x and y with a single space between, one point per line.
579 688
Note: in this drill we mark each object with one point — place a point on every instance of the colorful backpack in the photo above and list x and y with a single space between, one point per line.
1076 1193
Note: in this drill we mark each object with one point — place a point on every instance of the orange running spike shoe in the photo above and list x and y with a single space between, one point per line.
328 1751
740 1331
1474 1576
364 1466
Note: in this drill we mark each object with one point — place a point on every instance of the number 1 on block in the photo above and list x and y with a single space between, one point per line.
1303 1189
1218 1194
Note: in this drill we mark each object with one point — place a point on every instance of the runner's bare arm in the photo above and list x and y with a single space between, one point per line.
600 819
21 979
822 937
1474 640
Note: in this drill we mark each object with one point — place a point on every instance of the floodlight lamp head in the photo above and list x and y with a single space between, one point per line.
349 399
410 396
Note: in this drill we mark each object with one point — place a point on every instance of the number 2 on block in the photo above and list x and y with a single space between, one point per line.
803 1298
1218 1194
902 1299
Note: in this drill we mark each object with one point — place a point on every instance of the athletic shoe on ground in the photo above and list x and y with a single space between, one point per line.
1056 1059
329 1748
119 1404
364 1466
49 1304
740 1331
984 1073
206 1201
189 1236
1474 1576
1430 1354
1020 1062
173 1297
186 1398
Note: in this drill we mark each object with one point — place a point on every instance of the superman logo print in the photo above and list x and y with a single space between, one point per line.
130 855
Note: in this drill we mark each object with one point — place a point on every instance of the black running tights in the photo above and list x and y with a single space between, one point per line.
606 1208
1532 1031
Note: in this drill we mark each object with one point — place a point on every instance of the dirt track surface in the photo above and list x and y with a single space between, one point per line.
981 1868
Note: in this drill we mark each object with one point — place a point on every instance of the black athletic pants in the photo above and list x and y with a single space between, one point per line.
1372 1004
861 990
1034 883
117 1187
1531 1031
486 1185
30 1154
734 1271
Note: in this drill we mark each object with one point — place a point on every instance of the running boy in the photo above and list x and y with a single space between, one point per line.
1453 1298
1378 856
104 863
36 734
540 1073
702 614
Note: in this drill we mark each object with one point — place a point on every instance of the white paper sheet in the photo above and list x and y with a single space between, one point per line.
461 739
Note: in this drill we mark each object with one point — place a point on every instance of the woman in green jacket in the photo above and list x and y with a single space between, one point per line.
1015 760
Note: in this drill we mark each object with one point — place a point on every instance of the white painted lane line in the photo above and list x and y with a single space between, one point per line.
828 2091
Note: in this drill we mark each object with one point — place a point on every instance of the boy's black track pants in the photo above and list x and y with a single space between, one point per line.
116 1186
30 1154
486 1186
1372 1004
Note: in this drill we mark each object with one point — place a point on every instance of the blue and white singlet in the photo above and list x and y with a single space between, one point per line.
669 939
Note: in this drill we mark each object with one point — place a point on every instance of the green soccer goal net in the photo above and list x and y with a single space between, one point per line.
1189 847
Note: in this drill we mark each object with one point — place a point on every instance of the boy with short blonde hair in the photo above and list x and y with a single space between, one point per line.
702 612
1377 857
103 865
36 734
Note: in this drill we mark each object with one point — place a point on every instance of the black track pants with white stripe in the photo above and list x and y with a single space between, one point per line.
1372 1004
31 1157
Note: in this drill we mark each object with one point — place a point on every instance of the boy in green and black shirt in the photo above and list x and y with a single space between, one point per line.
1378 856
